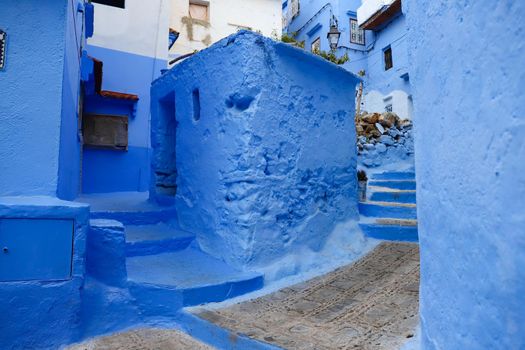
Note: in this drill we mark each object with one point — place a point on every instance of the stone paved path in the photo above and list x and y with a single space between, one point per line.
371 304
144 339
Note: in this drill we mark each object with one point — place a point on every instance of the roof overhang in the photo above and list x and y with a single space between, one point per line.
383 16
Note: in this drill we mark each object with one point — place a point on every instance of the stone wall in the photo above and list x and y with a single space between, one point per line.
383 139
265 147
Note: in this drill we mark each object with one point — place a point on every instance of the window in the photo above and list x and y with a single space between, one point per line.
388 108
316 45
357 35
196 105
114 3
105 131
199 10
294 8
387 53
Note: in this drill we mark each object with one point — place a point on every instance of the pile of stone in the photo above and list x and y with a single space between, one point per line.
379 132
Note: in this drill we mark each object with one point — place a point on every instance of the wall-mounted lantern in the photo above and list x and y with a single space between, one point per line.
334 34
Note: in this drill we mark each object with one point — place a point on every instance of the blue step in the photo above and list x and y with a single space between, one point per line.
155 239
190 275
388 210
129 208
394 196
394 175
390 232
394 184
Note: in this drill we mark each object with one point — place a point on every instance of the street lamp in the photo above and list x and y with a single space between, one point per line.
334 34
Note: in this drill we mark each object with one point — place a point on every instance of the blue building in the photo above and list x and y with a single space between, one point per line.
127 51
372 34
226 131
41 235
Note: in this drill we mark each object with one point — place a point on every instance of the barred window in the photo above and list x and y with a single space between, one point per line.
357 35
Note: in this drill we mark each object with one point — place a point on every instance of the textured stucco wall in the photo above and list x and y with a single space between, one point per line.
270 164
470 145
30 105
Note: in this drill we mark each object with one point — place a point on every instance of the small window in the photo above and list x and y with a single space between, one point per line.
388 108
114 3
295 7
387 53
196 105
105 131
357 35
199 10
316 45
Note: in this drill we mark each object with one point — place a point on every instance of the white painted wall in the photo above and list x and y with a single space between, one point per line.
225 17
370 7
375 101
141 28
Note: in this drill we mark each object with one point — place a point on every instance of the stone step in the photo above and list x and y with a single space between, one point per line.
407 196
394 175
391 229
129 208
189 277
388 210
394 184
155 239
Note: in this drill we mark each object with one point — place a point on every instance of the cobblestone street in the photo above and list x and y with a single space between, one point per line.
144 339
371 304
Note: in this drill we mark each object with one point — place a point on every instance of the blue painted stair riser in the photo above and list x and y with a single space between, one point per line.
384 211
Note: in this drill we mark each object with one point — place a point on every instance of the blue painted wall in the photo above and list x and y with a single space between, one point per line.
313 21
262 168
30 132
112 171
44 312
377 78
466 66
69 155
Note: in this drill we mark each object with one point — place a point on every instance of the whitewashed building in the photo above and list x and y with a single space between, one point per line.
196 24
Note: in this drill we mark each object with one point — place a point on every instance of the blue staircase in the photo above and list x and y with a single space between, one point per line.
390 212
165 267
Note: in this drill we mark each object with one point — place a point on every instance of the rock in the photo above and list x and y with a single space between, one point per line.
371 118
375 133
361 139
381 148
368 162
406 123
387 140
380 128
368 146
394 132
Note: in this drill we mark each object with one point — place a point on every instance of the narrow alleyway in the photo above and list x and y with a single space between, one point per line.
371 304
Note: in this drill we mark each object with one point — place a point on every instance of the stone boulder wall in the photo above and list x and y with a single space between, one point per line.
383 138
265 147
